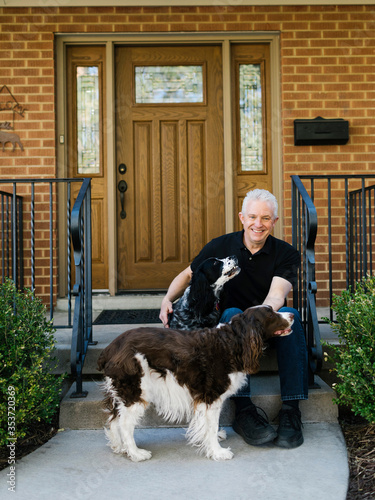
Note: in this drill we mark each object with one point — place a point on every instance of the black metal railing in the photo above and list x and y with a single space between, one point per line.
304 231
343 251
82 290
345 246
11 245
29 242
361 233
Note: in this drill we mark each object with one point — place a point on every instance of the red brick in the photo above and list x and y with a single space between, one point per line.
203 18
128 10
142 19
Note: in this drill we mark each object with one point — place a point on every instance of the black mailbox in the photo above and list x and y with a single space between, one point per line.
321 131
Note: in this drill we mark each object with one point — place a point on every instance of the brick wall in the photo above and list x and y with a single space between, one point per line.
327 61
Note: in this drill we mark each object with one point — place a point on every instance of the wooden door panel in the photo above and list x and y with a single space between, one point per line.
197 198
170 188
97 219
143 222
175 171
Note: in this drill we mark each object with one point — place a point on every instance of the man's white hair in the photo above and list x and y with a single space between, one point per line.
260 195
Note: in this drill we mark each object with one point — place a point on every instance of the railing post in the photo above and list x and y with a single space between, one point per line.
304 230
294 235
32 215
88 266
364 230
50 251
20 243
347 249
82 322
69 261
14 234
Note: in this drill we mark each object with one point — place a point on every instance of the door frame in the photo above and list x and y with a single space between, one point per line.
110 41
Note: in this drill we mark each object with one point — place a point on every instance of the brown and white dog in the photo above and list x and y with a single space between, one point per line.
185 374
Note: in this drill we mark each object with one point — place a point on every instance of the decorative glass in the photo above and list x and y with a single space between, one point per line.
88 112
168 84
251 127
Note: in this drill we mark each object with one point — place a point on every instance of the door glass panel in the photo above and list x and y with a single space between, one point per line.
88 113
168 84
251 117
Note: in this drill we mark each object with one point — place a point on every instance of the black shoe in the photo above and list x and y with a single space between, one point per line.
253 427
289 433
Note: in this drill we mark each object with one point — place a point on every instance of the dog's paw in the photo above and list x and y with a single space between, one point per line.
140 455
223 454
221 435
117 449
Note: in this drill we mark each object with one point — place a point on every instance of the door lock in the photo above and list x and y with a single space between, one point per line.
122 187
122 168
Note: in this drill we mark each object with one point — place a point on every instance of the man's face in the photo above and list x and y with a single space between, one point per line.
258 222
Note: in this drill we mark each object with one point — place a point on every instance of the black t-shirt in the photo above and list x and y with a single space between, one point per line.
251 286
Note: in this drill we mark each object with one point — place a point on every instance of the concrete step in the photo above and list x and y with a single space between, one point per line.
101 302
140 300
104 334
87 413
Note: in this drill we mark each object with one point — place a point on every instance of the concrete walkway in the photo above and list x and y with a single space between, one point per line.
78 465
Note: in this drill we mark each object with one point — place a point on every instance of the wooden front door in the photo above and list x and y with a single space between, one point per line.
170 169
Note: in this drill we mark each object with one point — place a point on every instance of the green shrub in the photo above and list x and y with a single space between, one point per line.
355 357
29 393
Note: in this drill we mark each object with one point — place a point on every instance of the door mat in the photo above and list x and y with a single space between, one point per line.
128 317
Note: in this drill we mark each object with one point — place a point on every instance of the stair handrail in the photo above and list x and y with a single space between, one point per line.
82 289
304 231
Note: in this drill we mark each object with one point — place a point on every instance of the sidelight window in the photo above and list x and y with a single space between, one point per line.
251 117
88 118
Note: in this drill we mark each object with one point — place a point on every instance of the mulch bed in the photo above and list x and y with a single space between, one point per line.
360 442
38 435
359 436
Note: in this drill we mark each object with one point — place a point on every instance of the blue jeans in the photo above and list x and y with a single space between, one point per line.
291 358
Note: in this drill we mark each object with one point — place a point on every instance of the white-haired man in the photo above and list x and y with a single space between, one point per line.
268 271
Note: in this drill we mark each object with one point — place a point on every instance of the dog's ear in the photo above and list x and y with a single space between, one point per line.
201 292
101 361
252 345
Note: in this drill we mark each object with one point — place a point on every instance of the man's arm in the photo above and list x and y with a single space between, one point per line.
175 290
277 293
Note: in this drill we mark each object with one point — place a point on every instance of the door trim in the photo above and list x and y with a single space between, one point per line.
110 40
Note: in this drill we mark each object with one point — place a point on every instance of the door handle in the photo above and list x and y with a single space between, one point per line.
122 187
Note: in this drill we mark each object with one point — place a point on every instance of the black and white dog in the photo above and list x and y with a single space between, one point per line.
199 305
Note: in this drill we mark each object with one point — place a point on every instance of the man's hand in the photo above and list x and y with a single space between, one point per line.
175 290
165 309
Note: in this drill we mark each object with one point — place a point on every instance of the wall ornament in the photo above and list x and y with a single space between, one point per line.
10 108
